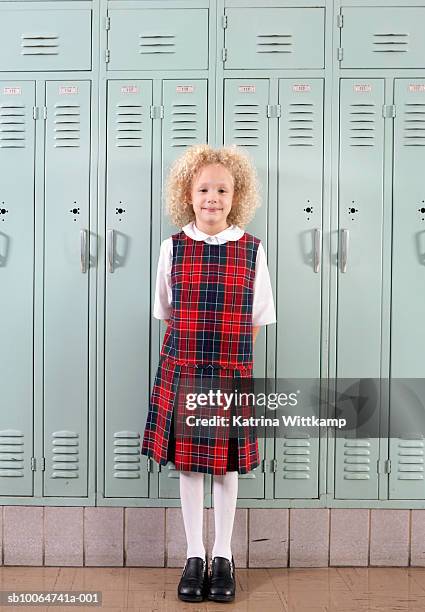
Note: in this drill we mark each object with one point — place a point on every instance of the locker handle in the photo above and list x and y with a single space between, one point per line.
317 249
110 250
83 251
344 249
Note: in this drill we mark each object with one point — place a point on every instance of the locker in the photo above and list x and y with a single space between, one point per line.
408 292
46 39
383 37
246 125
66 287
127 311
156 39
361 157
17 140
185 122
298 299
265 38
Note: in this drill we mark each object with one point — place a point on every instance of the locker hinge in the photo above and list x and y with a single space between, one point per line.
273 111
273 465
107 55
107 23
224 22
339 21
35 112
224 54
157 112
44 112
149 464
33 464
42 464
384 467
263 465
340 53
388 111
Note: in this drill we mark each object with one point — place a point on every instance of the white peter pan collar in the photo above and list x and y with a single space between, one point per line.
230 233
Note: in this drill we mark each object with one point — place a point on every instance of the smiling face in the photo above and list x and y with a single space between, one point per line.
212 198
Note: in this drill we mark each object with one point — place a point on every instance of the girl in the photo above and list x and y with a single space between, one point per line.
213 291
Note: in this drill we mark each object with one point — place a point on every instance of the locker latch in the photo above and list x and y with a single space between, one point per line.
157 112
33 464
388 111
224 22
149 464
224 54
339 21
340 53
107 55
274 465
384 467
273 110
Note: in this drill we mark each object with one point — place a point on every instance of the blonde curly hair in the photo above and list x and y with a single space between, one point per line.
246 196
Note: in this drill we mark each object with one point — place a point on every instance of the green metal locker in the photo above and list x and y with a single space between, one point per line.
127 302
66 286
48 38
246 125
382 37
156 39
271 37
17 147
361 200
184 123
300 184
406 480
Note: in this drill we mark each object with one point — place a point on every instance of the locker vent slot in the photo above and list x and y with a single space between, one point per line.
128 124
246 125
356 460
11 453
301 125
12 127
184 125
410 460
40 44
127 454
65 450
157 43
414 125
67 125
274 43
296 459
390 43
362 125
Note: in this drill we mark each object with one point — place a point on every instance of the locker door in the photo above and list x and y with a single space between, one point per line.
272 37
127 313
185 103
66 287
299 274
157 39
408 293
246 125
185 123
45 39
383 37
17 100
359 281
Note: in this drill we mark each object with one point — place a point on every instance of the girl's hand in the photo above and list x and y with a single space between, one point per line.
167 321
255 331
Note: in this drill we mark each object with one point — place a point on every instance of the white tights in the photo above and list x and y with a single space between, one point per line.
225 492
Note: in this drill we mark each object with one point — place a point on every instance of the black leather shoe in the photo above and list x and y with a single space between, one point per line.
194 580
222 584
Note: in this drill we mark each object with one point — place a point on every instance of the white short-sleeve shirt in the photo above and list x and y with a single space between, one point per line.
263 310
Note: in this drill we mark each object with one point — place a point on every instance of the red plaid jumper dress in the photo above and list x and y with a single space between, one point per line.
209 338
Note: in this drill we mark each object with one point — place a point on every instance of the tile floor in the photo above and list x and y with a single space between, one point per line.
258 590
